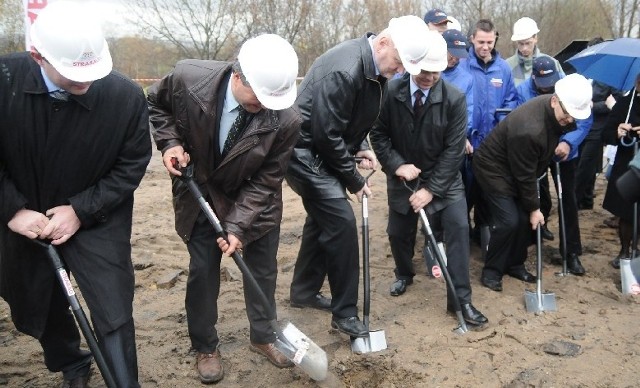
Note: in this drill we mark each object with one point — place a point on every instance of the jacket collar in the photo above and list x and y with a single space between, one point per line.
34 84
403 94
366 53
204 91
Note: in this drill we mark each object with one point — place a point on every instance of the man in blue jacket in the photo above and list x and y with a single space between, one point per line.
542 81
493 89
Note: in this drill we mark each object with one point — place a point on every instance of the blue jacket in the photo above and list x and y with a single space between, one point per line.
527 91
493 88
459 77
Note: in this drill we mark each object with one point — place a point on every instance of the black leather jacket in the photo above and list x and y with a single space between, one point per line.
339 100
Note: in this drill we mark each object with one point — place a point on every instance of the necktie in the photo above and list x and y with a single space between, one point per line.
418 105
236 130
60 94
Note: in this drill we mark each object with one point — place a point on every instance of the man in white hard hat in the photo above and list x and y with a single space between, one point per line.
508 164
340 98
68 170
234 122
425 146
525 34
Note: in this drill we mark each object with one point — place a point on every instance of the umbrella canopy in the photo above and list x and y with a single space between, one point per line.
615 63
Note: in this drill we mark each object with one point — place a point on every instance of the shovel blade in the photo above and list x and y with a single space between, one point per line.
539 302
303 352
374 342
629 279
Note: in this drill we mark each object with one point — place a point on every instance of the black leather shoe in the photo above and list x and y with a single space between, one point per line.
495 285
78 382
472 316
318 301
574 265
399 287
615 263
522 274
546 233
350 326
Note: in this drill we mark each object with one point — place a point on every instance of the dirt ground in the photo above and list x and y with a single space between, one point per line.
591 341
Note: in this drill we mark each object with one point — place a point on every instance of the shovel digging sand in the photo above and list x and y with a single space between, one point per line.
375 340
537 301
290 341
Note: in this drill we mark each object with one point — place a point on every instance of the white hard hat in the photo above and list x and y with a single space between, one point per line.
69 36
270 65
575 93
524 28
454 24
436 58
410 35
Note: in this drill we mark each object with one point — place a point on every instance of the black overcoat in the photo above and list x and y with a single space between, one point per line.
90 152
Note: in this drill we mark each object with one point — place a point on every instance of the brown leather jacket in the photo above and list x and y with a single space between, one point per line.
244 188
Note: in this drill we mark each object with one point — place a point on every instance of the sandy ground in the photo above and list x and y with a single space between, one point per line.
591 341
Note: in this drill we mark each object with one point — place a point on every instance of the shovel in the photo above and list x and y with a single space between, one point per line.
537 301
375 340
431 239
290 341
78 313
563 228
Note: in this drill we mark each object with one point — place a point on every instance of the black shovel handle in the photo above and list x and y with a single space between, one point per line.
366 280
78 313
434 245
187 178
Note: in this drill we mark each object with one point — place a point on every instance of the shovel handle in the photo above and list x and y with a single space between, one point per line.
77 311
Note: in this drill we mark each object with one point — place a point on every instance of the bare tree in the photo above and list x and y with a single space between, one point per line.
11 26
198 28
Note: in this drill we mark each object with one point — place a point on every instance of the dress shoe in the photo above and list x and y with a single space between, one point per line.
470 314
546 233
350 326
522 274
78 382
399 286
574 265
272 354
209 367
493 284
318 301
615 263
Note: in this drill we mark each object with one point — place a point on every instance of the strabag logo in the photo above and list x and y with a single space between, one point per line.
87 59
497 82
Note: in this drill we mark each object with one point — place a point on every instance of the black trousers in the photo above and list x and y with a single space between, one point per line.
510 236
569 204
203 286
453 222
329 246
61 346
589 165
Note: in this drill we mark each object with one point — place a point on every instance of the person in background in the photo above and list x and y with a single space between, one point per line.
525 34
436 20
425 142
234 122
542 81
340 99
590 159
622 129
493 89
68 169
508 164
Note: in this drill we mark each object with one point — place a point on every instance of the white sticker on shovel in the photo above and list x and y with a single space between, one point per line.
297 358
67 282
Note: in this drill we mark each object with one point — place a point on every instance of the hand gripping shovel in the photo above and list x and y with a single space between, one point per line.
296 346
462 328
563 227
537 301
375 340
78 313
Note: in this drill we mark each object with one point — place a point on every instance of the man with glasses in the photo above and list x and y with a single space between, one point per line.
542 81
525 34
508 164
